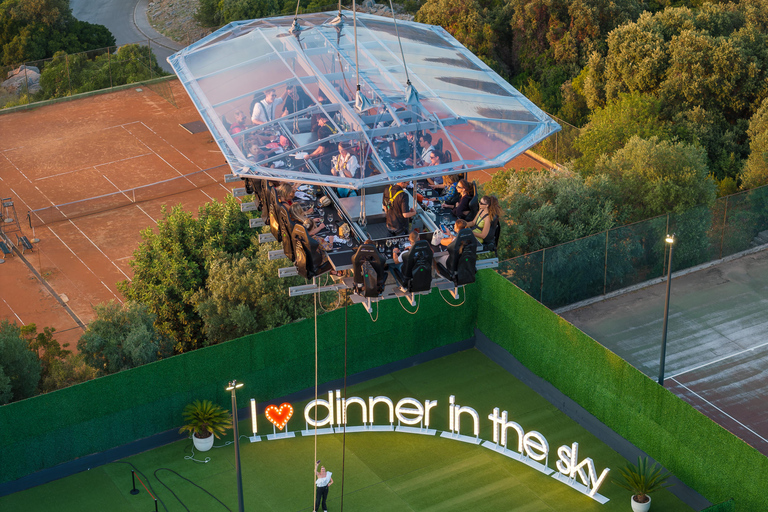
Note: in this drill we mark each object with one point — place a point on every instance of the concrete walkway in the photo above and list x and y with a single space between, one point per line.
717 341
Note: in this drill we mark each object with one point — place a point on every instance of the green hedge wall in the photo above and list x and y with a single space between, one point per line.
702 454
47 430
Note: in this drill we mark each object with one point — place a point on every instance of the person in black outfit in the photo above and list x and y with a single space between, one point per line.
462 207
296 100
395 204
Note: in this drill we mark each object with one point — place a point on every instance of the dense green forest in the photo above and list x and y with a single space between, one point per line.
36 29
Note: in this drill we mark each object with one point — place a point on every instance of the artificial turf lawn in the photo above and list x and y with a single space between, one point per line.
382 471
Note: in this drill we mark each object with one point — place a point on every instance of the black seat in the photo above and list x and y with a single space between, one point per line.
439 145
461 265
494 233
286 230
415 275
262 191
474 204
365 284
274 219
308 254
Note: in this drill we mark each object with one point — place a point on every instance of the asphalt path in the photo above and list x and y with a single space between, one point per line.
128 23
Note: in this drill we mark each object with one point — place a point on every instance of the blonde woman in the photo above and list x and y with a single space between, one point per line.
489 211
299 217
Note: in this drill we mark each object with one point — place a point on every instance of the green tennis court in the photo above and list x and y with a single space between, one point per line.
378 471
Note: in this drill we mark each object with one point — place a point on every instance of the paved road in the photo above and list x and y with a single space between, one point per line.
717 341
128 23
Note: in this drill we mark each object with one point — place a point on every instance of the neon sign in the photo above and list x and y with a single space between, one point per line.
413 416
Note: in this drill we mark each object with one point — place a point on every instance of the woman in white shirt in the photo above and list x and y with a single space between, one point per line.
323 481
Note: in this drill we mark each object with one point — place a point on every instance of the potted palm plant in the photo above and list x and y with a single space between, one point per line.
205 421
642 480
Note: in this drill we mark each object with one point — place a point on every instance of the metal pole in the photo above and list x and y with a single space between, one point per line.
240 504
666 317
605 264
722 230
134 491
541 287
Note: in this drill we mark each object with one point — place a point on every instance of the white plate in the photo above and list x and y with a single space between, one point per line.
300 155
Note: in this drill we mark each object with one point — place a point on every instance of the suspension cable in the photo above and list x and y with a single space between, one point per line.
397 32
314 461
344 412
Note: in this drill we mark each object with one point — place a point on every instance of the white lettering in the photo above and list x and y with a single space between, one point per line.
401 409
328 404
536 447
380 400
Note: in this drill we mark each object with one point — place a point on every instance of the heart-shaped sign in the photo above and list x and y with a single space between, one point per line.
279 416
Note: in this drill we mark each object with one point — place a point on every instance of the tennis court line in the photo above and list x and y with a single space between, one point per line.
188 159
14 313
719 409
83 263
99 249
719 360
93 166
167 162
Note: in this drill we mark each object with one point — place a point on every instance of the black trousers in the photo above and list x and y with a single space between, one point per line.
322 492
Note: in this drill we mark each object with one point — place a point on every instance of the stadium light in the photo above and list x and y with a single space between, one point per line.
233 387
670 240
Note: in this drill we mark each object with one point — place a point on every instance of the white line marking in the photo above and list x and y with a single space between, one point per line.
118 189
715 361
14 313
719 409
99 249
81 261
145 213
92 167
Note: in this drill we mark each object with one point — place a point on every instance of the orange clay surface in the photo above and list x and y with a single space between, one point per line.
84 148
88 147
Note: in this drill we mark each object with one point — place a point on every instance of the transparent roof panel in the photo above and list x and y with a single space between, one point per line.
282 105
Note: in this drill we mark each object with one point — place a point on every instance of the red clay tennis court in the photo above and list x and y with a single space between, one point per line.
94 172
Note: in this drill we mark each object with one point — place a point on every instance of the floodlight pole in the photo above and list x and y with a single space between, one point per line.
233 388
670 240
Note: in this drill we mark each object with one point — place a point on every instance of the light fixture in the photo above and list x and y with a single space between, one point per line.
233 387
670 239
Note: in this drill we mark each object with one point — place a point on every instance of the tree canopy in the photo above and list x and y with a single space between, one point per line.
36 30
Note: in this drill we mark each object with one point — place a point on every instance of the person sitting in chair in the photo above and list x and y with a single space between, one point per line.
300 217
489 211
400 257
345 165
462 207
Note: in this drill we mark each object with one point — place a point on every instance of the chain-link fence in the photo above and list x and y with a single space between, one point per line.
621 257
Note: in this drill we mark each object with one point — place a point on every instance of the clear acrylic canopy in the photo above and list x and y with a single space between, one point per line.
475 119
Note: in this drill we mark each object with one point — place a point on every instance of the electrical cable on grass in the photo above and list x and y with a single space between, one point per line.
191 482
153 493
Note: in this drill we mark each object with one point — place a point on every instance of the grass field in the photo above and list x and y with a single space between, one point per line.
382 471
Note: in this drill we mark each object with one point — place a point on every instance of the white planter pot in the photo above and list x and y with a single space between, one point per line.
636 507
203 445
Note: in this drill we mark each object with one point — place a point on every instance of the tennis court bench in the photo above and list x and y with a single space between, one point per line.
24 242
5 249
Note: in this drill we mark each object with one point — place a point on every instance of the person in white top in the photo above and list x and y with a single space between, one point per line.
323 482
265 110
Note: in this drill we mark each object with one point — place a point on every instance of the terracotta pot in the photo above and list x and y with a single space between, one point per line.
203 444
636 507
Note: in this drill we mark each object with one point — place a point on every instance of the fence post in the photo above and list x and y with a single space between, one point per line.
722 230
664 262
149 57
26 82
541 288
605 264
69 78
109 65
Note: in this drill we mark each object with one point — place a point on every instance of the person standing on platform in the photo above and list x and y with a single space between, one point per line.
395 202
323 482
